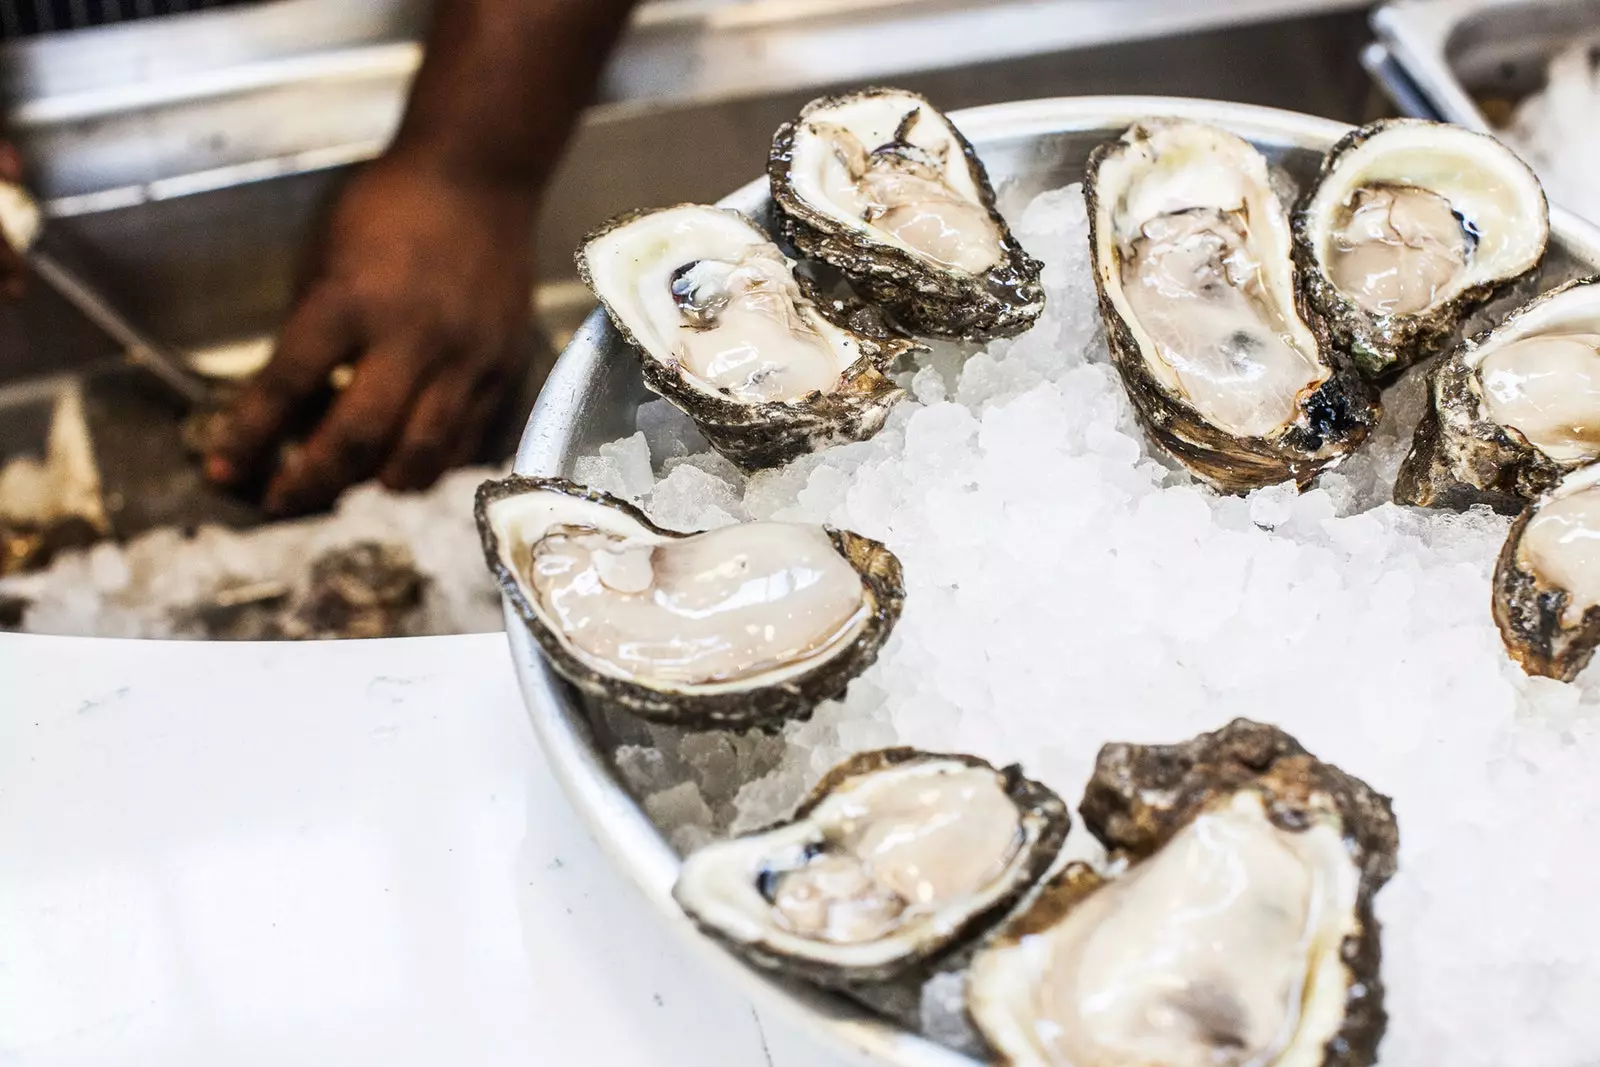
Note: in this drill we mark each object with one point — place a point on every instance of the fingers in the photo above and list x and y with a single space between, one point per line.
356 435
318 337
13 267
449 417
13 273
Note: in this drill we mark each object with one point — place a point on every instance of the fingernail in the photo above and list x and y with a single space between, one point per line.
220 470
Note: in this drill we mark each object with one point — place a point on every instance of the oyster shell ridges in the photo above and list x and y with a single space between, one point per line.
1033 800
1335 419
1531 614
1385 345
1460 457
920 297
756 436
765 706
1141 796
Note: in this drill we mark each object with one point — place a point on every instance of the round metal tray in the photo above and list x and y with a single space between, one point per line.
591 397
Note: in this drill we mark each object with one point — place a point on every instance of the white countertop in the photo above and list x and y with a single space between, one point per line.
351 853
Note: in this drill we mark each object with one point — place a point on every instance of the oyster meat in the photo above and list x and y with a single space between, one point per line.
897 858
1514 410
1198 292
734 338
1238 931
741 626
1547 580
880 185
1410 226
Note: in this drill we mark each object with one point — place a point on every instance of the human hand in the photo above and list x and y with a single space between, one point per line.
13 267
423 287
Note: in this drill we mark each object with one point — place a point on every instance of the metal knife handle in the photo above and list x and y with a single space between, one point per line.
21 222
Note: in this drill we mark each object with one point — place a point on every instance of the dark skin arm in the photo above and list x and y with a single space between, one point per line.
425 276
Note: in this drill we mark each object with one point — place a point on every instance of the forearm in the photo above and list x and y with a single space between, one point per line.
503 84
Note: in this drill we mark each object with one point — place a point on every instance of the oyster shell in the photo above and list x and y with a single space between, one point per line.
880 185
1410 226
1513 410
1202 312
1547 581
896 859
1240 931
729 334
745 625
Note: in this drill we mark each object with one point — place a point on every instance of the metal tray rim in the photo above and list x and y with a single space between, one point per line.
619 824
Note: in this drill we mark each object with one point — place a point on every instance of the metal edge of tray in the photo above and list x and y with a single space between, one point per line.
1415 34
619 824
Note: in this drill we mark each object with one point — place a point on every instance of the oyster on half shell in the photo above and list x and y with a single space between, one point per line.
898 858
1513 410
1202 311
1237 930
746 625
1547 580
1412 225
728 333
882 187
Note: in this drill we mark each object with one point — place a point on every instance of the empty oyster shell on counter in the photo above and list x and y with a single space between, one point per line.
1202 311
740 626
1410 226
897 858
730 335
1513 410
1238 927
881 186
1547 580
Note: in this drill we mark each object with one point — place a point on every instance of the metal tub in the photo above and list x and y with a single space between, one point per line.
595 389
1469 61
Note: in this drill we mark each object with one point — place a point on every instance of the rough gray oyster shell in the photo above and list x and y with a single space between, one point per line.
1472 221
1195 204
849 166
1305 940
1546 597
1469 448
686 285
621 651
898 859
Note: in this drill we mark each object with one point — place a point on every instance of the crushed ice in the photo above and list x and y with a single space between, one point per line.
1557 130
159 584
1068 588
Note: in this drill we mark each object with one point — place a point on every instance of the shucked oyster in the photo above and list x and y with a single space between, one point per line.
729 334
740 626
1240 932
1547 581
1514 410
882 187
897 858
1410 226
1198 293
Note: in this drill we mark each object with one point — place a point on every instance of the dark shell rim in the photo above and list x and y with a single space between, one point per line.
882 580
1032 798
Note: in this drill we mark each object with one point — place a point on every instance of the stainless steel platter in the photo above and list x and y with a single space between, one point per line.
595 390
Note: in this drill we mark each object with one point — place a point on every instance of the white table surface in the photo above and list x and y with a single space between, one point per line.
226 855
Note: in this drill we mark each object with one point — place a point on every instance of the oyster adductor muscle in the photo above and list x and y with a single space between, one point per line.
1409 227
731 335
896 860
1203 314
1236 927
881 186
1514 410
744 625
1547 580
